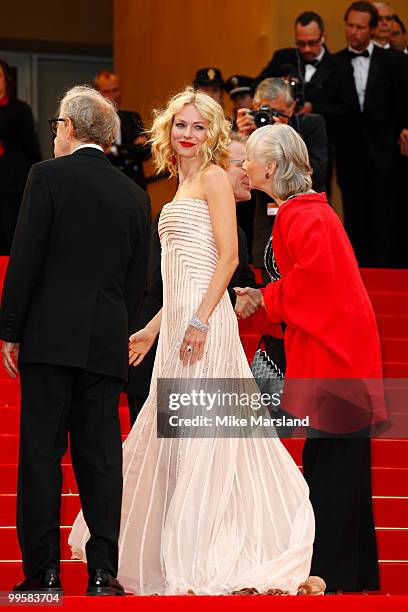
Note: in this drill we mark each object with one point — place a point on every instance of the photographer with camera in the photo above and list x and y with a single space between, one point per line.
274 102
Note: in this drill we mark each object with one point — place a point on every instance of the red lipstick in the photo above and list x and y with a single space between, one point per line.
184 143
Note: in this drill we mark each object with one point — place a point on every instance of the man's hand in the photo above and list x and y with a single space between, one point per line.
248 301
306 108
403 142
245 122
8 348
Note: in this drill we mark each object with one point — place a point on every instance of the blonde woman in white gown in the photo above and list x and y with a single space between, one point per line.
208 516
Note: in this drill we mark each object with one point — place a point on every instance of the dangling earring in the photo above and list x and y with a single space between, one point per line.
267 174
173 159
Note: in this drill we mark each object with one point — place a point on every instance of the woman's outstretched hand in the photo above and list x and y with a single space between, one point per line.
192 347
140 344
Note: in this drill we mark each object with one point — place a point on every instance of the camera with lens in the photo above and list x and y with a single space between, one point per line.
265 115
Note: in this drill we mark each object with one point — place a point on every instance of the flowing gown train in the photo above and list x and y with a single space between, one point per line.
211 515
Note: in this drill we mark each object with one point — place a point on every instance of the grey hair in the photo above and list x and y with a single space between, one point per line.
94 117
271 88
281 144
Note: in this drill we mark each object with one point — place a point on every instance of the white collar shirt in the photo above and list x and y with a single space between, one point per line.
361 66
310 69
87 146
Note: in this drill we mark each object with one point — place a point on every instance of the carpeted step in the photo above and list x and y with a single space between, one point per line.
394 578
394 349
388 511
381 279
386 481
393 369
392 543
389 303
393 326
385 453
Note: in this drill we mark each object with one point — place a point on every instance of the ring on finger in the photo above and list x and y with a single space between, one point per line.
189 348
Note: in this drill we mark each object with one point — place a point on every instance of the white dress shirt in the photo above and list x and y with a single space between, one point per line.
309 69
386 46
361 66
90 144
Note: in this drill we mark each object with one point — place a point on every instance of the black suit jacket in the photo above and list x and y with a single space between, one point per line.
325 90
78 264
19 147
129 156
313 131
375 129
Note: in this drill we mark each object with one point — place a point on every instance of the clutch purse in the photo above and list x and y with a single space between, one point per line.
269 364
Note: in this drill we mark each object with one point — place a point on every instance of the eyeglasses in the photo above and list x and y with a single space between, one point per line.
237 162
385 18
308 43
54 124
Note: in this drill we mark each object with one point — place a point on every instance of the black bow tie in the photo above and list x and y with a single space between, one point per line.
311 62
352 54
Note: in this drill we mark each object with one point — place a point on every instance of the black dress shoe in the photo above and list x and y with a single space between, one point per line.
48 581
102 583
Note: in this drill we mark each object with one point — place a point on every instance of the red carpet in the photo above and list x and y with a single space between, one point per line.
389 292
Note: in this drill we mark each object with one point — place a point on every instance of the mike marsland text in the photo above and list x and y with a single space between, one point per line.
236 421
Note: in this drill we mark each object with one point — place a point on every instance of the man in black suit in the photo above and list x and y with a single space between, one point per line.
367 143
277 95
245 305
130 147
320 77
77 268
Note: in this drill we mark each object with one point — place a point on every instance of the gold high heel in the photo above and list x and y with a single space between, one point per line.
314 585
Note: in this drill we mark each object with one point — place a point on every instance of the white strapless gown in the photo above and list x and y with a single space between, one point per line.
210 515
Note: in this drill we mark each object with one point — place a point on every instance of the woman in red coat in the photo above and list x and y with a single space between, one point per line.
331 333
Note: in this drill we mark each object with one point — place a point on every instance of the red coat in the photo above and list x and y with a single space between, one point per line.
331 329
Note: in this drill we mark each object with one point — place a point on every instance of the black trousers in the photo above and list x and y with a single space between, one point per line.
139 384
338 472
369 207
55 401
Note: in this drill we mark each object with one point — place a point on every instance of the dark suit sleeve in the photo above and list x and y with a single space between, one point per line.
246 276
27 254
137 271
336 107
313 130
132 127
154 277
243 275
282 63
27 134
153 296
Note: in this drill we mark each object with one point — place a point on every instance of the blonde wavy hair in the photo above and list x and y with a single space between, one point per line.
213 150
282 144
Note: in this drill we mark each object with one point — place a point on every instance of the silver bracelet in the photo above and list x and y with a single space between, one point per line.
195 322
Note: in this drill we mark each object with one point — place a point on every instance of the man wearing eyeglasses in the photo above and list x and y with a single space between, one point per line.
321 78
76 275
382 33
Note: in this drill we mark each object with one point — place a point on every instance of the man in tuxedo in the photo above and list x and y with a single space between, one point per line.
245 304
320 76
369 135
130 148
77 268
277 95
